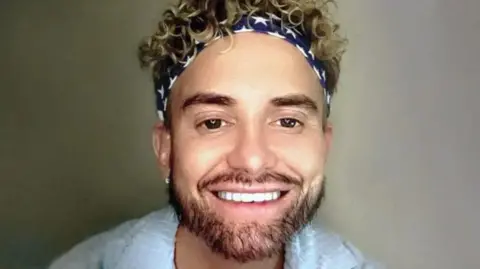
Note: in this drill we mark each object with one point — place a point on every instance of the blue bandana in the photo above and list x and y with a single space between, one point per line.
271 26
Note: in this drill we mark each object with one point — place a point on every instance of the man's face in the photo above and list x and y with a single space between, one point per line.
246 147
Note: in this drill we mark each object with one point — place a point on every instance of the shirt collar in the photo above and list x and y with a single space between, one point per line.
150 245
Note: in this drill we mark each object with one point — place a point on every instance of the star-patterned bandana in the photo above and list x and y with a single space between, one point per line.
271 26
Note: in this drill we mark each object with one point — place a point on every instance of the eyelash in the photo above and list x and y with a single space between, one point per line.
201 124
298 123
223 123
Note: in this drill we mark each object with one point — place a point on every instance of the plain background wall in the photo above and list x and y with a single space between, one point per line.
76 114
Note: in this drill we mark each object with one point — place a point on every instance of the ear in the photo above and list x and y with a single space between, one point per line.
162 146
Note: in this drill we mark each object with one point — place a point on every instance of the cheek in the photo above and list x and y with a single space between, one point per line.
194 158
305 154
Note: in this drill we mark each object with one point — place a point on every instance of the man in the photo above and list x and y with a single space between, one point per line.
243 94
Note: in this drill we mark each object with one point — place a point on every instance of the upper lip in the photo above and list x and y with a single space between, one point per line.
255 188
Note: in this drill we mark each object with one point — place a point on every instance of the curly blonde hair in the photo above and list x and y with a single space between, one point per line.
202 20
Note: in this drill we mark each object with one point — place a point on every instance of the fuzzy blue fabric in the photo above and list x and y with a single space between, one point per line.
149 243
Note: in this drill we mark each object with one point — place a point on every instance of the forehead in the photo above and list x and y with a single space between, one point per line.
253 66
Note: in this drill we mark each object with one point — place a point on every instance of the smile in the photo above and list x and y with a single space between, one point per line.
260 203
248 197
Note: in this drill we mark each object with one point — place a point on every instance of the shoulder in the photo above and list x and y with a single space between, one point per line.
104 249
89 253
316 247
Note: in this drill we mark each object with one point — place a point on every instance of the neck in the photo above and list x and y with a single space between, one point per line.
191 252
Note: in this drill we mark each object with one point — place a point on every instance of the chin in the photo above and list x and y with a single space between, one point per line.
246 228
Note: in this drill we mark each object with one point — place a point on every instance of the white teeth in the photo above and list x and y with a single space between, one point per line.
248 197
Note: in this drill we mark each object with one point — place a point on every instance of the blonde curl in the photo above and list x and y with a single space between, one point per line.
202 20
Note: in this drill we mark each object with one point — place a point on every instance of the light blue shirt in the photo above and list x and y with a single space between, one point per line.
148 243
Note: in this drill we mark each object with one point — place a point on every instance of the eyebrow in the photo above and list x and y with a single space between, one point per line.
208 99
292 100
295 100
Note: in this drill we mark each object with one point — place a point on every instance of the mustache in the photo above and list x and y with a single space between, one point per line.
248 179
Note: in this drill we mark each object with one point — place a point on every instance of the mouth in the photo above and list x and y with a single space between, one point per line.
251 203
259 205
243 197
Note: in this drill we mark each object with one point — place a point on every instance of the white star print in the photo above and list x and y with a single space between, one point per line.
290 32
165 103
161 91
172 80
302 51
243 30
276 35
188 61
328 97
317 72
160 115
260 20
311 54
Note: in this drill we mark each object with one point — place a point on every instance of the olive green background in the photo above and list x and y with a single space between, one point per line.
76 114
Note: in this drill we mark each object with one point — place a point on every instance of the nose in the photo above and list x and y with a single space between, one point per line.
252 152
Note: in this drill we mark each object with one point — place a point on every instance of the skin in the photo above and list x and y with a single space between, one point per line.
265 120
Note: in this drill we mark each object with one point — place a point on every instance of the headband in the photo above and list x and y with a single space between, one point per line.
166 80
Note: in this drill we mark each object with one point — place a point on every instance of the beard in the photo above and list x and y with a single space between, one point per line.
244 242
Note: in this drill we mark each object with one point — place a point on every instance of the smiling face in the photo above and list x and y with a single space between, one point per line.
247 145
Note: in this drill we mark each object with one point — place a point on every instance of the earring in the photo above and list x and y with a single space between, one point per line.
167 180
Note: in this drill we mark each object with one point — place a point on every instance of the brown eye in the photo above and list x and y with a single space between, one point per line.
289 123
213 124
